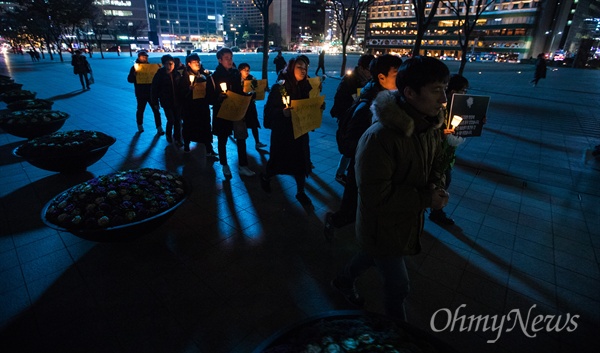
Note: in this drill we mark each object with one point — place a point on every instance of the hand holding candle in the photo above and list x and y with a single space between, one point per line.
223 86
192 78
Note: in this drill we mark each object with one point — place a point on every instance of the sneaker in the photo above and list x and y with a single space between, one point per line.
226 170
440 217
140 128
348 289
265 183
245 171
341 178
260 145
160 131
305 201
329 228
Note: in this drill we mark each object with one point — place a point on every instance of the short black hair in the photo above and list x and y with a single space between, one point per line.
165 58
192 57
243 66
457 83
223 51
365 60
383 64
419 71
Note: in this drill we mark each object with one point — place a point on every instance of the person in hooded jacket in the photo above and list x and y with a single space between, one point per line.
400 173
383 77
288 155
164 91
143 95
195 106
251 117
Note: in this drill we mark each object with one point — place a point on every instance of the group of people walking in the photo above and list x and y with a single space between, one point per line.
395 157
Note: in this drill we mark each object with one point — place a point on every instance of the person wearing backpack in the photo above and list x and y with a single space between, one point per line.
82 68
345 95
350 129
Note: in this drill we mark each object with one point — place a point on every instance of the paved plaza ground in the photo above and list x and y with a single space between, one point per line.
235 265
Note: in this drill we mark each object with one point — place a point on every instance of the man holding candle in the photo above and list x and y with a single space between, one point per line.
227 78
399 174
143 94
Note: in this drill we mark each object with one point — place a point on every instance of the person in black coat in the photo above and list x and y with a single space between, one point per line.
143 95
279 62
321 64
222 128
251 117
288 156
164 87
540 69
82 68
195 106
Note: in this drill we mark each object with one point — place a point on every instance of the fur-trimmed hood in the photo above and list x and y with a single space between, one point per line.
390 109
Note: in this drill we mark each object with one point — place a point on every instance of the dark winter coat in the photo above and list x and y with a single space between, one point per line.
280 63
344 94
233 78
80 65
195 112
540 68
288 155
251 117
397 159
361 118
141 90
164 88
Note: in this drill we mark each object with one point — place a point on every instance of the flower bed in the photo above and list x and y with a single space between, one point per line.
16 95
30 104
117 199
68 143
32 123
9 85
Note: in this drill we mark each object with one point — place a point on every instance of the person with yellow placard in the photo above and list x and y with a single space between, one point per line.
195 106
227 78
289 155
251 117
164 85
140 75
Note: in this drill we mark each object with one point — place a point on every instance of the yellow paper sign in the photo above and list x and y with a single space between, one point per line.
144 73
306 115
315 83
358 92
234 106
199 90
259 89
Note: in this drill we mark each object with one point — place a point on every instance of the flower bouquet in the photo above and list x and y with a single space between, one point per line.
32 123
35 103
16 95
117 206
70 151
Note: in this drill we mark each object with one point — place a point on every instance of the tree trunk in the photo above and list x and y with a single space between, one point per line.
344 58
463 59
418 39
265 53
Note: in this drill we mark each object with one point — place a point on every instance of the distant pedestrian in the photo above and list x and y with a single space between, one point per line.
540 69
82 68
279 62
164 86
321 63
143 95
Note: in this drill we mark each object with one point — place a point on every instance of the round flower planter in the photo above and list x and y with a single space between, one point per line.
9 85
352 331
117 207
66 152
32 123
30 104
16 95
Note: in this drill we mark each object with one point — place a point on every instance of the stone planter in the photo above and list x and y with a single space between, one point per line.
30 104
32 123
16 95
